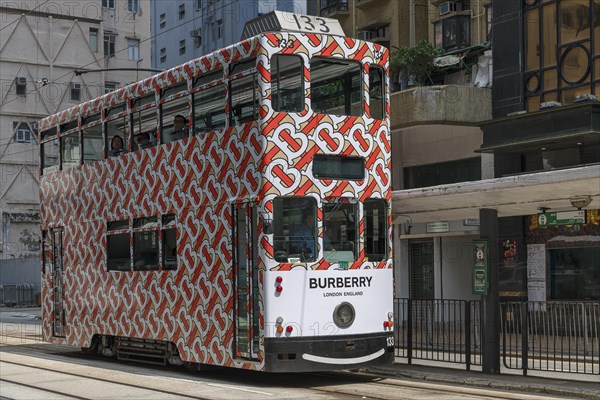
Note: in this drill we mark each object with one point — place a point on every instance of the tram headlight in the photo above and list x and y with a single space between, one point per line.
344 314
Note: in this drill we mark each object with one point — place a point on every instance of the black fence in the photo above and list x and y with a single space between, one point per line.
439 330
557 336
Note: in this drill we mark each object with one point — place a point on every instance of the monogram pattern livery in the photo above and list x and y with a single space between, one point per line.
198 179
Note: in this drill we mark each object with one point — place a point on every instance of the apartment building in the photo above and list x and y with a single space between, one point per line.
42 46
186 29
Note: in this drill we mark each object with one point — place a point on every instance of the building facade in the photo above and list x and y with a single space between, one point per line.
547 121
186 29
42 45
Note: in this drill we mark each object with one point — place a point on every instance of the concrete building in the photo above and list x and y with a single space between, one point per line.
435 129
187 29
41 47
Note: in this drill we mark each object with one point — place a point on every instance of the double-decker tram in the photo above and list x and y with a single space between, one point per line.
231 211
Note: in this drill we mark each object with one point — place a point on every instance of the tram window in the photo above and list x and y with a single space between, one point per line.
68 126
338 167
287 83
91 118
92 144
119 252
295 232
69 145
48 133
48 255
145 244
336 86
243 94
340 223
174 120
376 92
50 156
209 109
114 111
116 136
144 125
376 232
117 246
169 242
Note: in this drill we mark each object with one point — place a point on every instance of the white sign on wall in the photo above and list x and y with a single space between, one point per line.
536 272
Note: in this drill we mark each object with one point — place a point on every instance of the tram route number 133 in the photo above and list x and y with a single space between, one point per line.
306 23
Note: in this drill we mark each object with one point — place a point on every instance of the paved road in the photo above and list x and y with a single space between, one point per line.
30 369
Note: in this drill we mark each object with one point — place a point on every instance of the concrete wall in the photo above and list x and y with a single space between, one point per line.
440 104
455 272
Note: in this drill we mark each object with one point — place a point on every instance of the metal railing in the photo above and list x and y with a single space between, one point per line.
438 330
17 295
559 336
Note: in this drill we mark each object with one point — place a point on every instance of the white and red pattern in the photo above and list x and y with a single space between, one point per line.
198 179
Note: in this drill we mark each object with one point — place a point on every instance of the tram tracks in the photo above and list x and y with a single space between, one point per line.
337 385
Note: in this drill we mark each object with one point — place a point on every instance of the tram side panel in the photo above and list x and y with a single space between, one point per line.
198 179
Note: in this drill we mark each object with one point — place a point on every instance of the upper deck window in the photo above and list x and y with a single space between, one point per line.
244 101
144 123
69 145
174 114
209 102
376 92
295 232
92 144
336 86
50 147
117 131
287 83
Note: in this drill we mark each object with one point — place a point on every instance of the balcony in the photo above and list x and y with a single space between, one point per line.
454 104
330 8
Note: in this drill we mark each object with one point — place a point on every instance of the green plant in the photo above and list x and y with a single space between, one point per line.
416 61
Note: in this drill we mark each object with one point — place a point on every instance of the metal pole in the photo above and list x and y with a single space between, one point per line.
491 322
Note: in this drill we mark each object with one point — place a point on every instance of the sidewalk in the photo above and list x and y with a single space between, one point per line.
516 383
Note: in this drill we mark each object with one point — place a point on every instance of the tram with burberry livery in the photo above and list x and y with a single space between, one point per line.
230 211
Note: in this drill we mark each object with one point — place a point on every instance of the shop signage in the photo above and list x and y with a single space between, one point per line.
471 222
438 227
561 218
479 277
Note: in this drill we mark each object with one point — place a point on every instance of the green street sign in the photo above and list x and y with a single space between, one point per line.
479 277
561 218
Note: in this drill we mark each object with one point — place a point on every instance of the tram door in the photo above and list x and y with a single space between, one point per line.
58 324
246 281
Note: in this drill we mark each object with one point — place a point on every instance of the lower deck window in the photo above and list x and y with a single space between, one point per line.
338 167
295 233
145 244
119 256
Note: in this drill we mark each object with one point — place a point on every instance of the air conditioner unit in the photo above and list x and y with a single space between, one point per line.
448 7
21 80
196 32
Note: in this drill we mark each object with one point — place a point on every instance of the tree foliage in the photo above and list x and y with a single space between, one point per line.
416 61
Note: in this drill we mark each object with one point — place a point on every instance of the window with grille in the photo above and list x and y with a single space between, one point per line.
109 45
93 39
75 91
133 49
163 55
133 6
182 47
163 20
21 86
108 3
181 11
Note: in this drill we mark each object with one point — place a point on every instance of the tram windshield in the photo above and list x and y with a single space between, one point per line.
295 231
340 218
